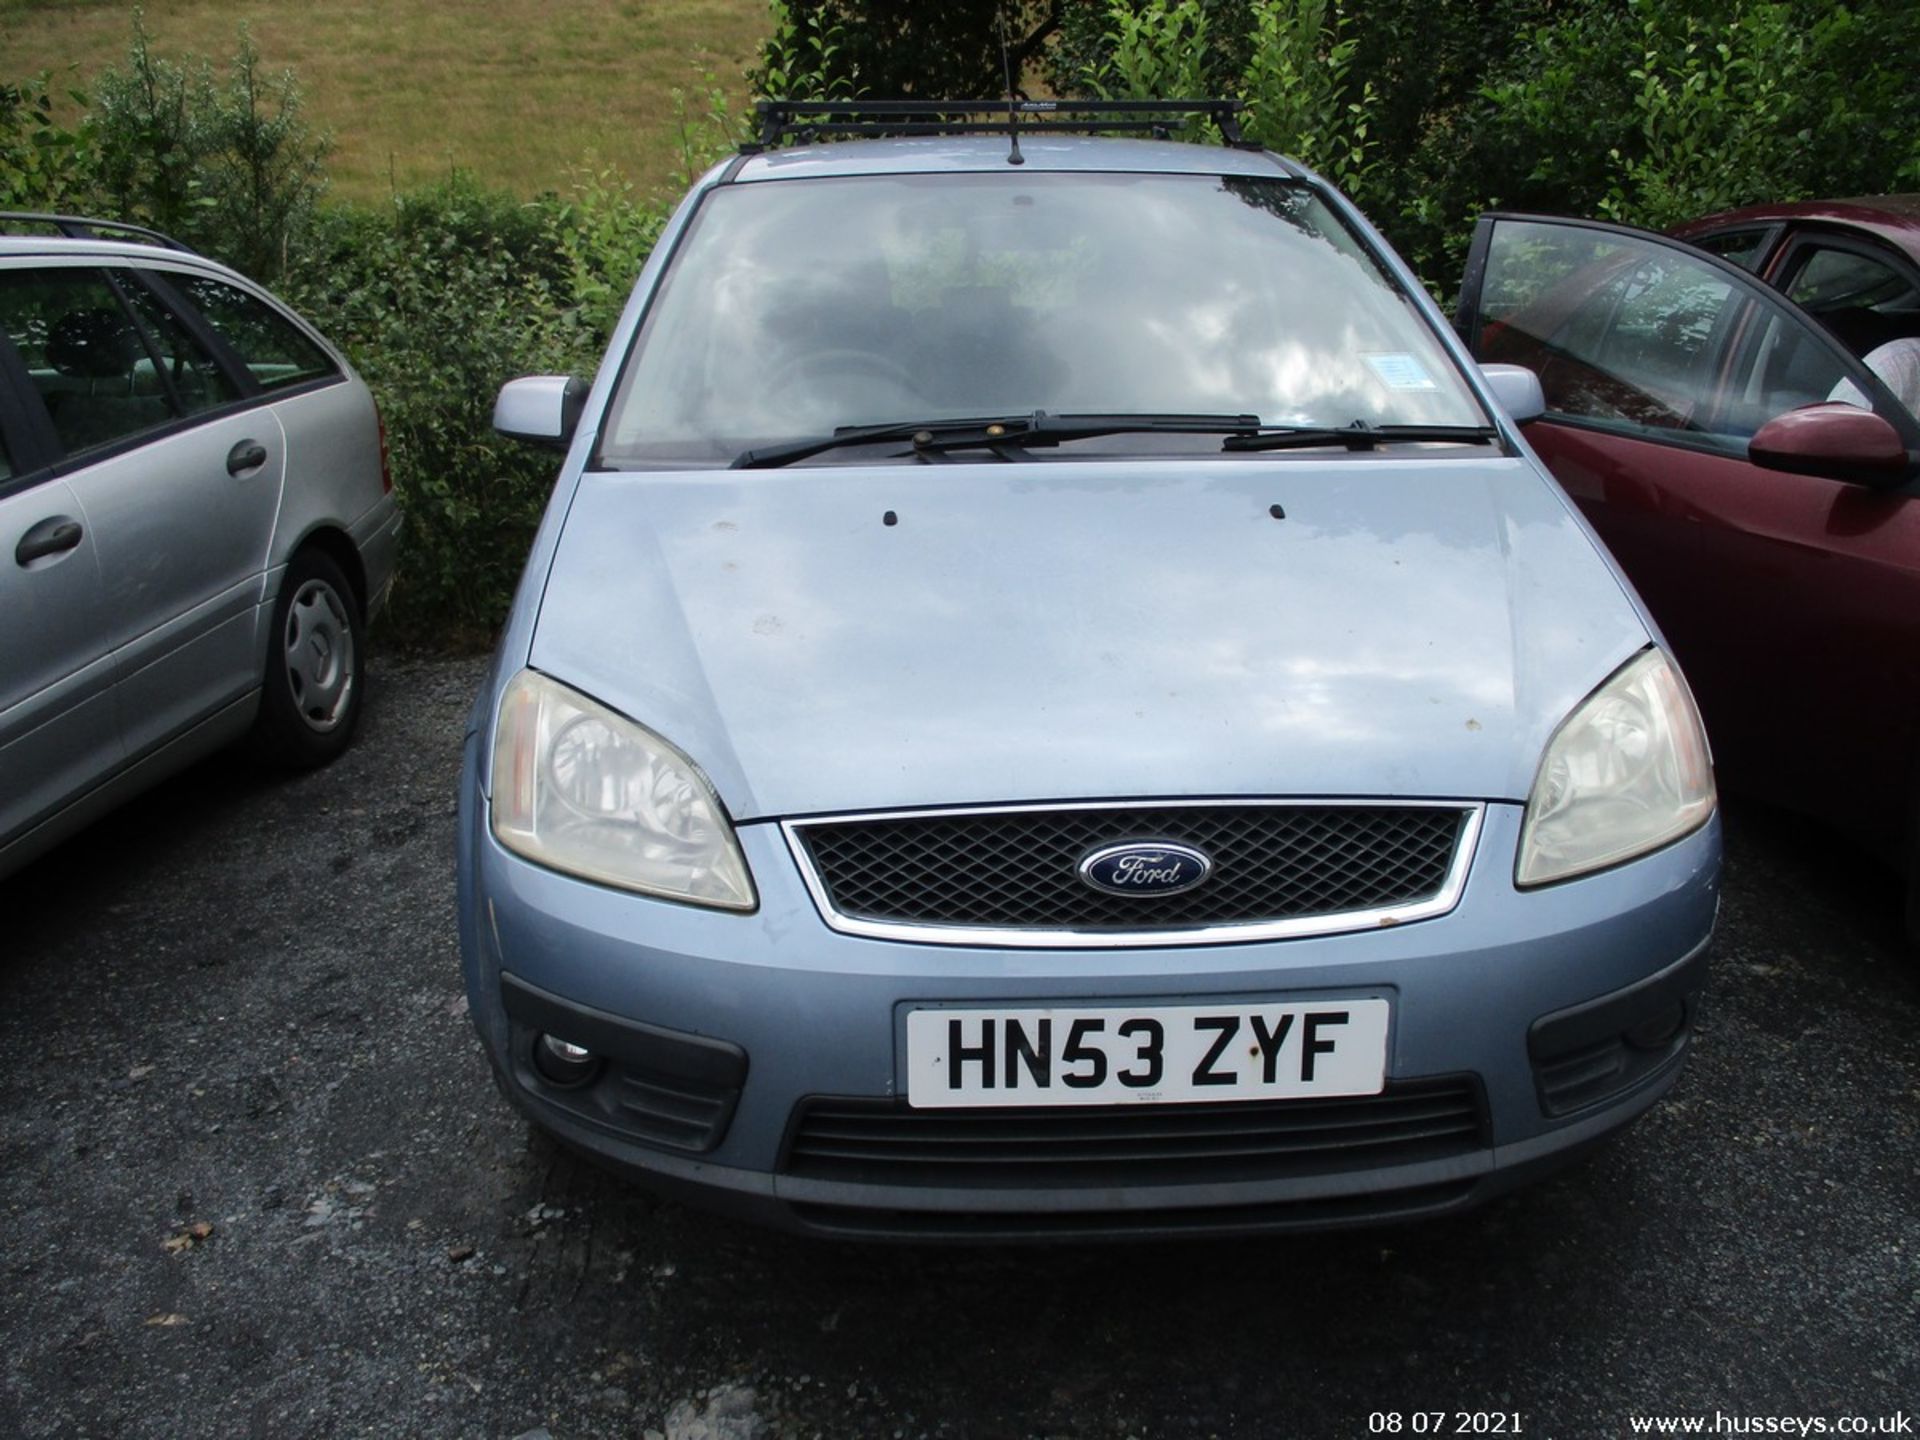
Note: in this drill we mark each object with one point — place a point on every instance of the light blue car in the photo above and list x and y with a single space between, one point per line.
1052 699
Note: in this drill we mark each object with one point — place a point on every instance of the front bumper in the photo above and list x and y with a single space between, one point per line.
1563 1013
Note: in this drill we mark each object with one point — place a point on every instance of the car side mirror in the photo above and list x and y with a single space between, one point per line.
1834 440
540 409
1518 391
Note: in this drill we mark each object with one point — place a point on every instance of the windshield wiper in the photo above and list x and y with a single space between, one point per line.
1038 428
1359 436
1031 430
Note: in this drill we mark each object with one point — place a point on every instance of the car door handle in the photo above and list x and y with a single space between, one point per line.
247 455
52 536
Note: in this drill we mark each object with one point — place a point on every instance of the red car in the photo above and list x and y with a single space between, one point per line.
1736 417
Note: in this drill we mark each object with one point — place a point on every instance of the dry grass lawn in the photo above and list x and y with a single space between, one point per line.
517 92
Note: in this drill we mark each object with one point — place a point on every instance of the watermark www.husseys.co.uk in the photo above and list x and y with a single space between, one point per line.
1722 1423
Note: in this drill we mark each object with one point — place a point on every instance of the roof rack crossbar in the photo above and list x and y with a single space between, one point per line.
988 127
784 119
81 227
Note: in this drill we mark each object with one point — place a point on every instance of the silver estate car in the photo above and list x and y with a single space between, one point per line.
1052 699
197 522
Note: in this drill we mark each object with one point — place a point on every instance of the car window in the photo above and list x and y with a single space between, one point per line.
1863 300
1741 247
269 345
6 460
84 355
193 378
1643 337
794 308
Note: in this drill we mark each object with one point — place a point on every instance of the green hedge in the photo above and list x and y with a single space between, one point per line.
439 299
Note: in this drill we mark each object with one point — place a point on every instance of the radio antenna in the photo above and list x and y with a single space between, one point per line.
1014 157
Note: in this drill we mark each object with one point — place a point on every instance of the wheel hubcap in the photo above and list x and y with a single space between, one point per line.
319 655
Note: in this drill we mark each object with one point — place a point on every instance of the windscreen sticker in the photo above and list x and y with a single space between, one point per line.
1401 372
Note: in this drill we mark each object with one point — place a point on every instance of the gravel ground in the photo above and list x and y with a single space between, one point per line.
256 1181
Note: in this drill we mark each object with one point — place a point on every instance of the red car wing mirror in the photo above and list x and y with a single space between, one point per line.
1835 440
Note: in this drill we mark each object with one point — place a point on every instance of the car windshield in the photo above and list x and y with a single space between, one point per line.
794 308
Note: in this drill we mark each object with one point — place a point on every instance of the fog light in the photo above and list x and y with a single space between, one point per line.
561 1062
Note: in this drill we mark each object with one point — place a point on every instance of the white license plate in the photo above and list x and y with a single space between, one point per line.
1165 1054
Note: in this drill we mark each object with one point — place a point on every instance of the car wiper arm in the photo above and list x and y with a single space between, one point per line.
772 457
1036 428
1360 437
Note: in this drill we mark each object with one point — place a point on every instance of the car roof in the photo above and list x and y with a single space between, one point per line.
82 247
1893 218
988 155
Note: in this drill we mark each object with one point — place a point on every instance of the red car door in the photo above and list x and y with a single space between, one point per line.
1792 601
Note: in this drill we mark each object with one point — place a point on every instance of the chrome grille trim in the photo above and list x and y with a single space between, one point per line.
1472 815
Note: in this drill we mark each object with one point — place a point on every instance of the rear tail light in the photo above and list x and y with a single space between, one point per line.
386 464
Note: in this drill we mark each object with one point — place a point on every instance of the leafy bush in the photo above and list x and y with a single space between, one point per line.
44 165
1153 52
807 57
1299 89
440 299
231 168
1657 112
835 49
1292 65
1709 108
604 234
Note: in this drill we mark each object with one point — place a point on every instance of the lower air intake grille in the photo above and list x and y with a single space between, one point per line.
670 1112
1371 1208
1018 870
883 1142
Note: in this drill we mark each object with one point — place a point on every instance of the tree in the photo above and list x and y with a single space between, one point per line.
231 168
886 49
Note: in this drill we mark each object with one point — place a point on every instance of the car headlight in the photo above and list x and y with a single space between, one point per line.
583 790
1627 772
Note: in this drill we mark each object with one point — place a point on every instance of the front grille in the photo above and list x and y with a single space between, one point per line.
1018 869
883 1142
1383 1207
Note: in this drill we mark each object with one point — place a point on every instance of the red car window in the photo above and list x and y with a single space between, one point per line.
1645 338
1862 299
1744 248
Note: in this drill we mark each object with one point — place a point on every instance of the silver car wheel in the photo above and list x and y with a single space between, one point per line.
319 656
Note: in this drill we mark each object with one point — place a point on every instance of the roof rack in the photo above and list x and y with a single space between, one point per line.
805 120
79 227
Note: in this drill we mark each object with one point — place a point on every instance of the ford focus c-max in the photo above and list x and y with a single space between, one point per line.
1052 699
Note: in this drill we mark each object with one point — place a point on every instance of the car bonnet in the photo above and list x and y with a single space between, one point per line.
835 639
